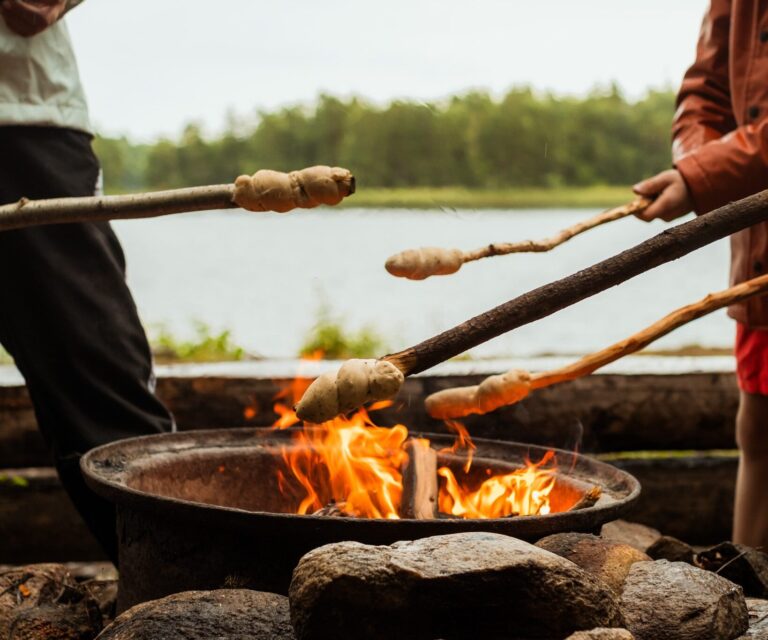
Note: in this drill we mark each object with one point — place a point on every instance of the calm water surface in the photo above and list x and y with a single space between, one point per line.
264 276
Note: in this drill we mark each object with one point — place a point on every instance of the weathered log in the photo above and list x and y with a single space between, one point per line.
419 499
669 245
605 412
685 495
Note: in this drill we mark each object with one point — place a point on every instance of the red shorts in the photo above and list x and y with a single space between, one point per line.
752 359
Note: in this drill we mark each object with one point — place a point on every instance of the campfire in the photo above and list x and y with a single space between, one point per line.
349 466
212 504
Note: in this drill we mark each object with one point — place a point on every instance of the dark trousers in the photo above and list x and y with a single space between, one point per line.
68 318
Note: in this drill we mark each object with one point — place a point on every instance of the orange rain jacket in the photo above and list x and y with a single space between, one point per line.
720 132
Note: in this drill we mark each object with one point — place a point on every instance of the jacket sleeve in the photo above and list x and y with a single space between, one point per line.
709 150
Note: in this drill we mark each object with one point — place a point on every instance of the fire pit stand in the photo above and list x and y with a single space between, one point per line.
203 509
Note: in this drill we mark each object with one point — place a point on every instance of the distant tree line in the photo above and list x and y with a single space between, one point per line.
525 139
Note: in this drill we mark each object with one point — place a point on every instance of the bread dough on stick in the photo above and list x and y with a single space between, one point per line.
492 393
419 264
268 190
356 382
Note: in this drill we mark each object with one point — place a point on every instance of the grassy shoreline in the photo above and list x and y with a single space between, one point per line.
509 198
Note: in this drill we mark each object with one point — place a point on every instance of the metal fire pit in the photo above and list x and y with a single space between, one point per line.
202 509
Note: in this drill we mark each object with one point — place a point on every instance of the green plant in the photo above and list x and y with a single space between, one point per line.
14 481
330 337
206 346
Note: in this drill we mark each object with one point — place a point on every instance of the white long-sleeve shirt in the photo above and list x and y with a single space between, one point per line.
39 80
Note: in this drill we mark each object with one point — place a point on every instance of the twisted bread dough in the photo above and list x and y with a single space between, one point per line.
357 382
268 190
419 264
492 393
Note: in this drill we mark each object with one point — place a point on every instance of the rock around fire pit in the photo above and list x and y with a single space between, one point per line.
203 510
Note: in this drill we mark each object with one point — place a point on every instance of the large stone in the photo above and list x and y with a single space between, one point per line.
634 534
231 614
44 602
466 585
602 634
609 561
758 620
672 549
743 565
675 601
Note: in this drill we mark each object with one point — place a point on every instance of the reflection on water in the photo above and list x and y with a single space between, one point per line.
263 276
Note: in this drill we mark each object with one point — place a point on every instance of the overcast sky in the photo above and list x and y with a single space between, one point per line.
150 66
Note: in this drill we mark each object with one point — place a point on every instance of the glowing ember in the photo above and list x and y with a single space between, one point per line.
350 466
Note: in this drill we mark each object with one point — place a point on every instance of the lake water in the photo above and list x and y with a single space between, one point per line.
264 276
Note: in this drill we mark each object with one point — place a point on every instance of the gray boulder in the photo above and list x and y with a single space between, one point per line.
234 614
610 561
466 585
602 634
676 601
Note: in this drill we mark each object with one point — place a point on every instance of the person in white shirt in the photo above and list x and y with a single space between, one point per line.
66 314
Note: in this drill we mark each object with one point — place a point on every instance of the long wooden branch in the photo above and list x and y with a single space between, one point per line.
670 244
418 264
264 191
511 387
332 393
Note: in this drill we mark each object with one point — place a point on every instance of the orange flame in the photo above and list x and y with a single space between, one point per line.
523 492
350 462
355 468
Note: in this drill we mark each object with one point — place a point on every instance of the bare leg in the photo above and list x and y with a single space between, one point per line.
750 522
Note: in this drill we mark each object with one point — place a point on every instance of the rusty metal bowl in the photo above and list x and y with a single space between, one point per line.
202 509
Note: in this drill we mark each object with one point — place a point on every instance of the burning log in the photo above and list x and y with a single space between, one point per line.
418 264
265 190
536 304
511 387
419 499
589 499
334 510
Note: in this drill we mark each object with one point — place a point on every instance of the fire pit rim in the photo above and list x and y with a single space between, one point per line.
105 468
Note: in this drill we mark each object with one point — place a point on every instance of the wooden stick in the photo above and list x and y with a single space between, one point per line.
264 191
418 264
419 499
594 361
589 499
669 245
27 213
498 391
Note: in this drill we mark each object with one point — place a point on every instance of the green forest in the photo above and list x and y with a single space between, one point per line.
471 141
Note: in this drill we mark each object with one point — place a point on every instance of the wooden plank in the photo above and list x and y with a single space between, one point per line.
599 413
419 499
687 496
